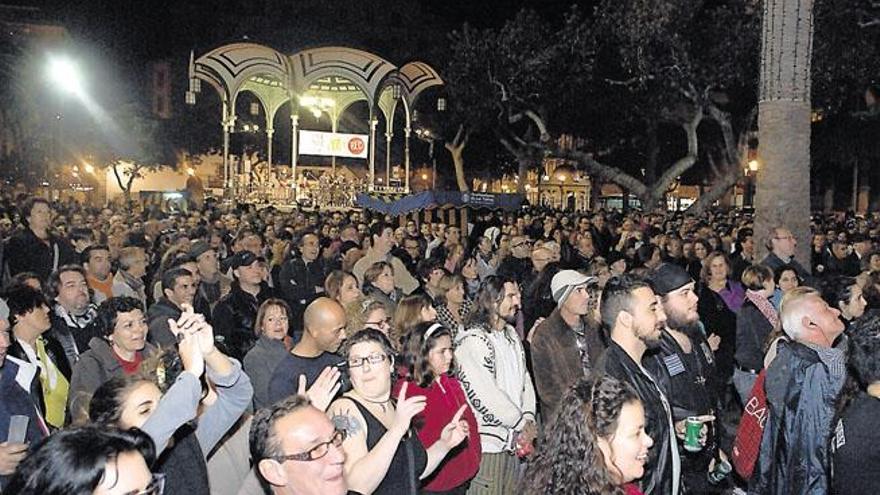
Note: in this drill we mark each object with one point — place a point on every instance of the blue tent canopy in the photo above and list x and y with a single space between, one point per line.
394 206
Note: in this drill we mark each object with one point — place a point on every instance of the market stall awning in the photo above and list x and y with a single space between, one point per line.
396 205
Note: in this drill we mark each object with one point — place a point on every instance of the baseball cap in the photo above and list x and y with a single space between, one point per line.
245 258
669 277
565 282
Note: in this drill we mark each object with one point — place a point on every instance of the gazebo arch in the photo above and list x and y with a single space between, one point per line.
339 75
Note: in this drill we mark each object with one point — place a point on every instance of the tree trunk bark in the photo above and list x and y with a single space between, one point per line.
523 164
783 182
456 149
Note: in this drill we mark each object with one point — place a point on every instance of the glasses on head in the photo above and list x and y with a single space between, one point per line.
156 486
316 452
521 244
788 237
373 359
380 323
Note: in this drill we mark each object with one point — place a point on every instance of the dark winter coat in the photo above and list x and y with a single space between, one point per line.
801 392
234 318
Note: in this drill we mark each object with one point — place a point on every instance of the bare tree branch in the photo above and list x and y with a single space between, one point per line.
600 170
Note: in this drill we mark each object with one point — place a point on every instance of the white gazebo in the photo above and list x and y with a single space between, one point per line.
319 80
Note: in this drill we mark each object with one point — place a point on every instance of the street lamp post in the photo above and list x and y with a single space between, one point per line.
751 171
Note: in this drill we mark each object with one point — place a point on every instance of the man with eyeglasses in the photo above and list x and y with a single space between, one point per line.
313 357
782 245
518 264
297 450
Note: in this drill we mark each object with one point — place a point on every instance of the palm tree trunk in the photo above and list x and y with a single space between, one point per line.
783 183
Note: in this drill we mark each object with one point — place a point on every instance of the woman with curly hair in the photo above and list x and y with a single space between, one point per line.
169 404
596 444
428 370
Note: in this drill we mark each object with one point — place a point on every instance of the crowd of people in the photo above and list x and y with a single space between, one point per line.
233 350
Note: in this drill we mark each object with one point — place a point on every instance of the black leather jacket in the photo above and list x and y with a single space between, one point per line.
234 318
658 478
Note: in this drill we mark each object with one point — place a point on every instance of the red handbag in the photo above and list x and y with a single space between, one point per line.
747 443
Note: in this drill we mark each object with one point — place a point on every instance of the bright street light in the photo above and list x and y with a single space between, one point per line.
89 168
64 73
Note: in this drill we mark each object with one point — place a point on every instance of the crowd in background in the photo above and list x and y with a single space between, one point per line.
236 350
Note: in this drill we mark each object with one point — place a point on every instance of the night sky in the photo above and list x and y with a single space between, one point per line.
136 31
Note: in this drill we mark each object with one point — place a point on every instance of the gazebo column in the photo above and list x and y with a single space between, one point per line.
333 129
388 136
228 125
373 124
294 155
406 133
269 133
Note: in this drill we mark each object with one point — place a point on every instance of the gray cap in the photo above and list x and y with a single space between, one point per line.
4 310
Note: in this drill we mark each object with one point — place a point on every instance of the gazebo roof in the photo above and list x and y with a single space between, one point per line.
344 74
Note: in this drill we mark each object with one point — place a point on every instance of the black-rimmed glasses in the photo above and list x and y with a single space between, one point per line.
316 452
373 359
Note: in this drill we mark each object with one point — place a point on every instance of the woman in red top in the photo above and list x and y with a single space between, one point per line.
427 368
596 445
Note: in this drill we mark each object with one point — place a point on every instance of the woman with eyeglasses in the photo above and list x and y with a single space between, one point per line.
165 400
366 312
92 460
382 456
429 370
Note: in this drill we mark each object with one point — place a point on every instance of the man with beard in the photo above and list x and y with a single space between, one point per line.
635 318
684 367
493 373
73 316
302 279
518 264
567 343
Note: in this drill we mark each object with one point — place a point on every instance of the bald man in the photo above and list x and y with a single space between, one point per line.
323 332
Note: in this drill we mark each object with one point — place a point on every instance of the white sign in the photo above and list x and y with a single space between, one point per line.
330 144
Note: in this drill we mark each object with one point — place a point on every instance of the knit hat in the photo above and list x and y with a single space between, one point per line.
565 282
199 248
669 277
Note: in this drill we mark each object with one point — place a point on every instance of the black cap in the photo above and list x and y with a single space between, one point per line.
199 248
245 258
669 277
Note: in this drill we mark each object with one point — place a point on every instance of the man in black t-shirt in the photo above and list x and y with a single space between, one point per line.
682 364
324 330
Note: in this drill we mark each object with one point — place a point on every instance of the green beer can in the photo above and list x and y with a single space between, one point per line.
692 430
